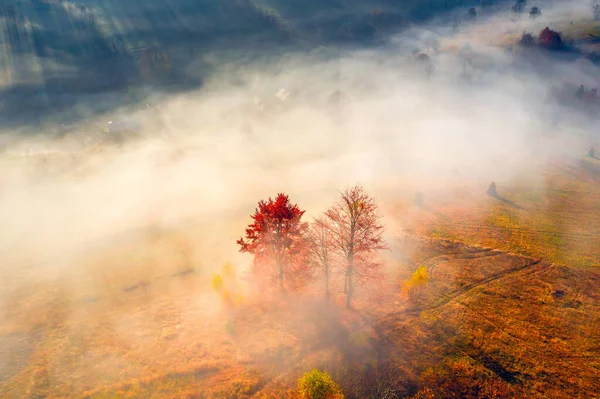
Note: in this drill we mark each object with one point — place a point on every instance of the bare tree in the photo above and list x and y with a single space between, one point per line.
320 252
356 235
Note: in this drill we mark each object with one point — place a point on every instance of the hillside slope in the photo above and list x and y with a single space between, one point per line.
529 324
522 326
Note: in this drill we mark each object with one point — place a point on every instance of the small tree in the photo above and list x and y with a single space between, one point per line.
527 40
492 189
535 12
425 63
317 384
321 258
471 13
518 7
277 240
356 235
580 92
550 39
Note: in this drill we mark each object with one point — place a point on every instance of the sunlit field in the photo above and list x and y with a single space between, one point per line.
266 199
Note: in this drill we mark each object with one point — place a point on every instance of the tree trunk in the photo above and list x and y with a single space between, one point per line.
349 283
327 293
280 276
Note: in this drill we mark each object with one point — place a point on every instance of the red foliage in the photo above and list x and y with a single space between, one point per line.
277 240
356 235
550 39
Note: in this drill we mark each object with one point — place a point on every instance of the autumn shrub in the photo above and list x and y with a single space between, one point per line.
317 384
418 278
217 283
226 285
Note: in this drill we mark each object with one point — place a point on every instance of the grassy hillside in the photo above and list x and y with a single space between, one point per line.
483 320
513 321
555 219
521 326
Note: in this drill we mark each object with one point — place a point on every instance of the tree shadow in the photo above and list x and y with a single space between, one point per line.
506 201
429 209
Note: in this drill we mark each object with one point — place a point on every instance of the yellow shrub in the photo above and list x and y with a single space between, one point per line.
226 285
418 278
317 384
217 283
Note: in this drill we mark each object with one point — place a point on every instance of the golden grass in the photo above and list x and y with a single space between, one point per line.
531 324
148 330
558 222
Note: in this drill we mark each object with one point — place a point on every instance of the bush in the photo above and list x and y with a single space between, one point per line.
226 285
527 40
317 384
419 278
217 283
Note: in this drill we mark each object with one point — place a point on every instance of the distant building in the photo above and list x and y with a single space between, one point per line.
123 127
119 131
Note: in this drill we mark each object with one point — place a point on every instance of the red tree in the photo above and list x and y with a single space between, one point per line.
277 240
356 236
550 39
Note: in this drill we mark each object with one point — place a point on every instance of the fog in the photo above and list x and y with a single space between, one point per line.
74 213
396 126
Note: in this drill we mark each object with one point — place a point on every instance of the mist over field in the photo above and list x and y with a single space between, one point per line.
245 114
395 125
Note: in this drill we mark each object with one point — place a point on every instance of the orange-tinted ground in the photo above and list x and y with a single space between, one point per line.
526 324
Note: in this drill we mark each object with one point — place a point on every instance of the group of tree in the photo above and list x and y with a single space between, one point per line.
520 5
342 242
547 39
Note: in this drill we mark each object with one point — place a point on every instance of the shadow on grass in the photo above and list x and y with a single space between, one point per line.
429 209
506 201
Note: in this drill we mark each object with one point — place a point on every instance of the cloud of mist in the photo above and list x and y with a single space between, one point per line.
95 216
222 154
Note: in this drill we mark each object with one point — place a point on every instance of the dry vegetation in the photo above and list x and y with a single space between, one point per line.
528 325
555 219
472 322
481 296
